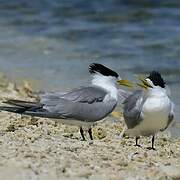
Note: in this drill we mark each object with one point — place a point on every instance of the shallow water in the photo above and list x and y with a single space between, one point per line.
54 41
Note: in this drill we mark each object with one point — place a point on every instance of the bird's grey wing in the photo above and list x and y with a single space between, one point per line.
122 95
170 117
84 95
132 109
168 90
51 98
82 111
85 103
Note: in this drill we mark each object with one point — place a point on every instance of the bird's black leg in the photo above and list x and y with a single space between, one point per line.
82 133
90 133
153 138
137 138
152 146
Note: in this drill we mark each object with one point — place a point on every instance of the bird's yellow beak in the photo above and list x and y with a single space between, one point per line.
144 84
125 82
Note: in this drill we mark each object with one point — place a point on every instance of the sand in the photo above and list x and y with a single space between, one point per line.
42 149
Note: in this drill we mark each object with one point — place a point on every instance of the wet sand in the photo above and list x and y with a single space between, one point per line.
40 149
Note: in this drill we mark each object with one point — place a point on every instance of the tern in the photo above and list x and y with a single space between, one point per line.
148 110
83 106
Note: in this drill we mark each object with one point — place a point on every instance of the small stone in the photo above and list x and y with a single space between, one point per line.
84 173
33 121
116 114
11 128
100 133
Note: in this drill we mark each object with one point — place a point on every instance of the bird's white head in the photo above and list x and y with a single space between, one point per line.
155 80
154 84
102 75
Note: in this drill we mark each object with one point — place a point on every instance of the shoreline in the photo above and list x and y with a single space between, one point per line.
39 148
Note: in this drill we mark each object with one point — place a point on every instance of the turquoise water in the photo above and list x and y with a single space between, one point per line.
54 41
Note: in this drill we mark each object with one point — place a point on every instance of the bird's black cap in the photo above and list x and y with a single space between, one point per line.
156 78
95 67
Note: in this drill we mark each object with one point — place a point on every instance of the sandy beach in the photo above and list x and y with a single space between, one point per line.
40 149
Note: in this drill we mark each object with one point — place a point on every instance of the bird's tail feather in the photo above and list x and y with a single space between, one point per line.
18 106
22 103
28 108
19 110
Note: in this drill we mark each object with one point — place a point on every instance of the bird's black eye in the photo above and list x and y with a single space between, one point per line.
156 78
95 67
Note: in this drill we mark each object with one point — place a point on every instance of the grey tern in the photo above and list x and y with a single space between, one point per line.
83 106
149 110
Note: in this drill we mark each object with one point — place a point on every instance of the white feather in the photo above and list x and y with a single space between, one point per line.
108 83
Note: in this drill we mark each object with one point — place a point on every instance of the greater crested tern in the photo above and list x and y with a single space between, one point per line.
148 110
83 106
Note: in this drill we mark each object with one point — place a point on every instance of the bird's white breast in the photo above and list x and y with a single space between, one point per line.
155 112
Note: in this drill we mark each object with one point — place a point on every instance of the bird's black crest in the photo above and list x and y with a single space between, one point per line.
156 78
95 67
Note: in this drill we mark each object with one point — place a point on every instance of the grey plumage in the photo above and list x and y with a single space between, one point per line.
122 95
18 106
132 108
84 104
170 117
83 94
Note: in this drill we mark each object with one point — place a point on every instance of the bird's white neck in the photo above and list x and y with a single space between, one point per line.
106 82
157 92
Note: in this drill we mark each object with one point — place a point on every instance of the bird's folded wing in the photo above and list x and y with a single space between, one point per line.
122 95
82 103
83 95
132 108
170 117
